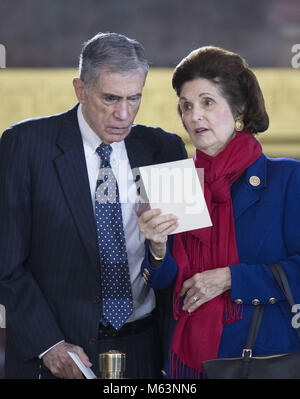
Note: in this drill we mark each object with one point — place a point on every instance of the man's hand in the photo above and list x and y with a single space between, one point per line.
59 362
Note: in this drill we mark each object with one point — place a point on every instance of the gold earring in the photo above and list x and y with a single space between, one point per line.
239 125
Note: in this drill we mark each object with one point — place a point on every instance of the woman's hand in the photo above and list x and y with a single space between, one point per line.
156 228
203 287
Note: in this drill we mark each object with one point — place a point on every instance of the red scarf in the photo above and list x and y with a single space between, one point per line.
197 335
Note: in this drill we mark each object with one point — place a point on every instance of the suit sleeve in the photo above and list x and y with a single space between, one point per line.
30 322
184 153
162 276
255 281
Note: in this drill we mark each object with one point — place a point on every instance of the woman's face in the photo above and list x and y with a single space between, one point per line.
206 116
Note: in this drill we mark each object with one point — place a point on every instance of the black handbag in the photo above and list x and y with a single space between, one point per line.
282 366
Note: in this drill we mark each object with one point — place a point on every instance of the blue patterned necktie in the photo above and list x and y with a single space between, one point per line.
115 279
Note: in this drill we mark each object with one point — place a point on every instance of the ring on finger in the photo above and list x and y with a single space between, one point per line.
195 298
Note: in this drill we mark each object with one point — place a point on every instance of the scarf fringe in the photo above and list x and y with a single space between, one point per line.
232 311
179 370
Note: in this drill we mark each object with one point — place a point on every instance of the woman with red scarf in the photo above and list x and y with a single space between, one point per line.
220 273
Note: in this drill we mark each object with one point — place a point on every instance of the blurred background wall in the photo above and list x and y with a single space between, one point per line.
43 39
49 33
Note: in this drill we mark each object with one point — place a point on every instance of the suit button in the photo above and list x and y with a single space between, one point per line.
238 301
96 299
255 302
254 181
272 301
92 341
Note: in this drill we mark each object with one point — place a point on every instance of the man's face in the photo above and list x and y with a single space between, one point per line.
111 103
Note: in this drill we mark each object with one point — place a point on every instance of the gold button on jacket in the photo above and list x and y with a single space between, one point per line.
238 301
254 181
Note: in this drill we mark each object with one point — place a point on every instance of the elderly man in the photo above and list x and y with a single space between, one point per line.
70 262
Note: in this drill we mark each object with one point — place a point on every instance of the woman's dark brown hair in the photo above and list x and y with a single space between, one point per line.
236 82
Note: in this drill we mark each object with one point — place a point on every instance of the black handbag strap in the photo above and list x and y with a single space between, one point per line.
283 283
254 326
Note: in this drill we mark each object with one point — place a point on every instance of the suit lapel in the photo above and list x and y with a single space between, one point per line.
73 177
243 197
244 192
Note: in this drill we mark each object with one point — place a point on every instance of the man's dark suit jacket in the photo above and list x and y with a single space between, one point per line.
49 264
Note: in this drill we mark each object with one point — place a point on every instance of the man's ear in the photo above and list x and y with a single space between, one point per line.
79 90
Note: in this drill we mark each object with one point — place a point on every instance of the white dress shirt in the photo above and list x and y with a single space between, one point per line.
143 296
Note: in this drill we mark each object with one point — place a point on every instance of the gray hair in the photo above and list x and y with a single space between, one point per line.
112 52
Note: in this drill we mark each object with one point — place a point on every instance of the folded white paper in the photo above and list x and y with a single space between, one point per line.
86 371
174 187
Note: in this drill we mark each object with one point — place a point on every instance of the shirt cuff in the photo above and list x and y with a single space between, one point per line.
153 254
44 353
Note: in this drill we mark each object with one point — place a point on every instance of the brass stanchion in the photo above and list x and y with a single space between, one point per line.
112 364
